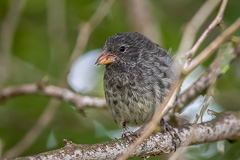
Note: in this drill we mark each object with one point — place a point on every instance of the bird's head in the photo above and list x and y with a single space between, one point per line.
124 48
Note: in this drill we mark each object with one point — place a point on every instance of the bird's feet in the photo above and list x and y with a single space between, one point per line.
128 134
167 128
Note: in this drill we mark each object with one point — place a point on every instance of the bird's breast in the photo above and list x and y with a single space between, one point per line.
130 98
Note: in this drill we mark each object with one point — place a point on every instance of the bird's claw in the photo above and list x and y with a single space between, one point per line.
173 133
128 134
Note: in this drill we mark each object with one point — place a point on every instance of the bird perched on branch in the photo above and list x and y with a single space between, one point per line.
139 75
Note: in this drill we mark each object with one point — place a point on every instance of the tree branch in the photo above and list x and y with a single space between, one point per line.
204 80
214 23
225 126
53 91
209 50
194 25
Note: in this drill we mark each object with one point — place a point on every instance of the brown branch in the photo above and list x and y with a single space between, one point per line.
225 126
204 80
214 23
194 25
209 50
66 95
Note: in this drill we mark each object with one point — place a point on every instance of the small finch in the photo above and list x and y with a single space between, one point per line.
139 75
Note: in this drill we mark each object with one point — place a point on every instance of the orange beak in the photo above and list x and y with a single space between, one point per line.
105 58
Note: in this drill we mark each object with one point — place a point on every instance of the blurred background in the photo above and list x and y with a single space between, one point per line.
37 39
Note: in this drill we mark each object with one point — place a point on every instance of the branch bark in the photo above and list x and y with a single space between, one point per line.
225 126
66 95
204 80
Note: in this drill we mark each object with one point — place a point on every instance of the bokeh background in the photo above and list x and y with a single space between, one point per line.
38 38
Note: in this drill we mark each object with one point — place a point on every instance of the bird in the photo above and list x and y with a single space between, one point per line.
138 76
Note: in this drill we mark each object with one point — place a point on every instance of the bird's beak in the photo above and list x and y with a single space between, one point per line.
105 58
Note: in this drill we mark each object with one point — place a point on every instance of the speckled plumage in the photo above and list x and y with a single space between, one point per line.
137 82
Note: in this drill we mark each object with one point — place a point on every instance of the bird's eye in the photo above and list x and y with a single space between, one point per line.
122 49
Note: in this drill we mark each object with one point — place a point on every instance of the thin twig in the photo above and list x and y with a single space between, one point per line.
7 31
204 80
209 50
204 35
215 73
214 23
194 25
